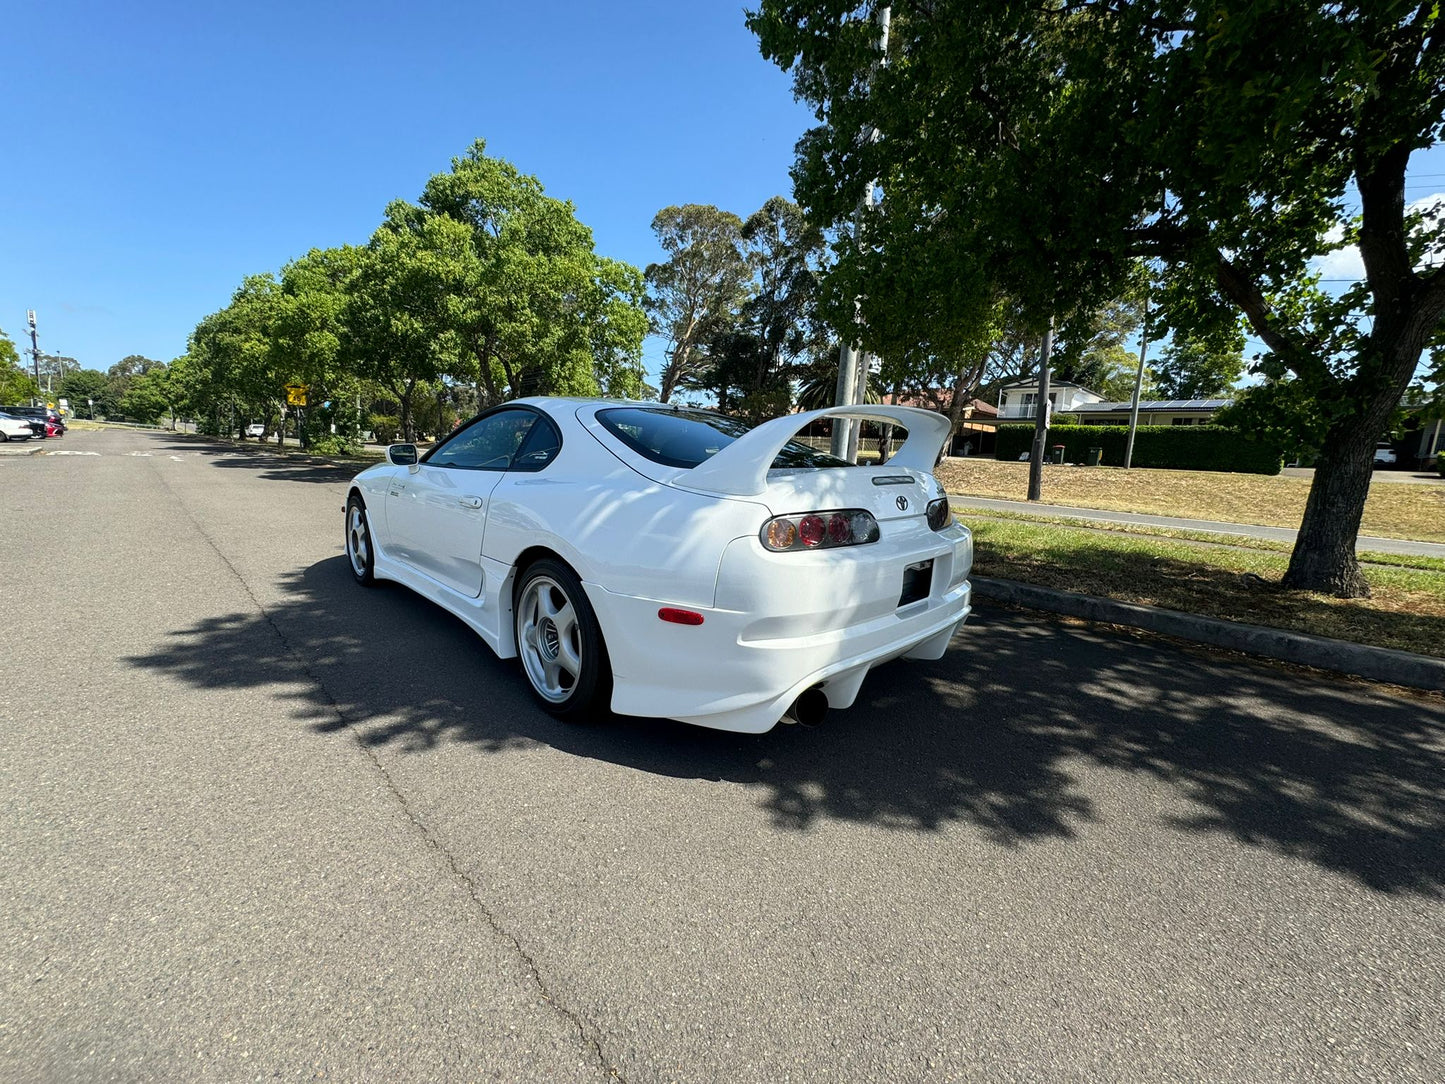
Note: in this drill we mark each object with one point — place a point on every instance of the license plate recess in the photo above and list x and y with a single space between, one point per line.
917 582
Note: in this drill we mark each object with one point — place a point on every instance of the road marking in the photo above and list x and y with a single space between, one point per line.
71 453
143 455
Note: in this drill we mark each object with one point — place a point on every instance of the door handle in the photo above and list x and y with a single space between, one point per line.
470 502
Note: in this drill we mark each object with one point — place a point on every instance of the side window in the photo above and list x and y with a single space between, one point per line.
489 443
540 448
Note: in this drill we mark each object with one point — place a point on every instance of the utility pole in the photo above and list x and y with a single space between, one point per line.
1138 385
1041 418
853 362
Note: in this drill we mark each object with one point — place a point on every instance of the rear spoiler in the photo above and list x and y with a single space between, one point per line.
741 468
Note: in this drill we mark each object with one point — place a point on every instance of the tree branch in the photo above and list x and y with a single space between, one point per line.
1240 288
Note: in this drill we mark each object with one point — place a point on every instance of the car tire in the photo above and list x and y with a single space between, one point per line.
3 438
559 642
360 548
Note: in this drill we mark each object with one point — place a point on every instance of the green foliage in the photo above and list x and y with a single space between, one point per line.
82 385
148 395
16 385
333 444
1176 447
1197 369
692 296
485 280
1037 151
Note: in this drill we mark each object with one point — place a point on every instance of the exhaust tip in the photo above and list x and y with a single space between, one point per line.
809 709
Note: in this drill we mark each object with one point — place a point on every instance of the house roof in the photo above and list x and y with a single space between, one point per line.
1151 404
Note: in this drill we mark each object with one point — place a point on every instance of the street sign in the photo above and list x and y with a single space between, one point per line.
295 394
30 315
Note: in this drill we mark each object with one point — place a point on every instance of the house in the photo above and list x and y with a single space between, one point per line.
1018 401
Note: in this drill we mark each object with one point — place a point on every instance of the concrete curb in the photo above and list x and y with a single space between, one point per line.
26 448
1375 663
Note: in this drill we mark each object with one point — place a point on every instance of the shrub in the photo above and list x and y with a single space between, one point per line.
1175 447
332 444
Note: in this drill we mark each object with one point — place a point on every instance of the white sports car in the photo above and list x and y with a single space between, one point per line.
671 561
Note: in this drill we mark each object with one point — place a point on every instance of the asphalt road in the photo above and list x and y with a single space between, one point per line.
257 822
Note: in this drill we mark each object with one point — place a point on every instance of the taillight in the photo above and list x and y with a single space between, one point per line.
819 530
939 515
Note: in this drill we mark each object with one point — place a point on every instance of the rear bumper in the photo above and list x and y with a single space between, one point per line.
744 666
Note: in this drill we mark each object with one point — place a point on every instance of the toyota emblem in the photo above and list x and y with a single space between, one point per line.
902 503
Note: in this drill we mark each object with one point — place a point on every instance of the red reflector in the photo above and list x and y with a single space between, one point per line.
679 617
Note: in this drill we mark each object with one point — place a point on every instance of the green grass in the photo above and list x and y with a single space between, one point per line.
1414 510
1235 583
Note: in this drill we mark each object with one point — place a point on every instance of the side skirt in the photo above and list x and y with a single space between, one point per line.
489 616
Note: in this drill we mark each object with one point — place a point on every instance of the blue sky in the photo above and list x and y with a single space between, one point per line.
161 151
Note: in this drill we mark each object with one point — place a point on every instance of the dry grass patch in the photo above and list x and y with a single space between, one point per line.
1394 510
1407 611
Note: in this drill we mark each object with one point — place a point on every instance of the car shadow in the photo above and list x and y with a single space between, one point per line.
995 735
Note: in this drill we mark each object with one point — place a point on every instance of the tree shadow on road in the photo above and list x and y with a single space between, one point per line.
266 460
994 735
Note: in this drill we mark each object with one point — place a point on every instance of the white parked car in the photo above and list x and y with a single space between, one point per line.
671 562
255 429
12 428
1384 455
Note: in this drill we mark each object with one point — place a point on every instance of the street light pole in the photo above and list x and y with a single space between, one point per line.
1138 386
1041 418
852 361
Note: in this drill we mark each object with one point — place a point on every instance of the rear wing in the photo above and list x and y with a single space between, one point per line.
741 468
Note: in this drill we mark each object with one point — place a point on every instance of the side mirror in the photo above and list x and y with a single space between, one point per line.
401 455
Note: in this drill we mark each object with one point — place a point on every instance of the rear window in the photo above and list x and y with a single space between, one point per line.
685 438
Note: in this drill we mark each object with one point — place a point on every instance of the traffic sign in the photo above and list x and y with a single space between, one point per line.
295 394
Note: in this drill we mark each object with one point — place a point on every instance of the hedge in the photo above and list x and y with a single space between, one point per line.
1177 447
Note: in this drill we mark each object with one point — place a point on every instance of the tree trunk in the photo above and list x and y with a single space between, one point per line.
408 423
1324 553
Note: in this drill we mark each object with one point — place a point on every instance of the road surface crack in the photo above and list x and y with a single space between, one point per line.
587 1035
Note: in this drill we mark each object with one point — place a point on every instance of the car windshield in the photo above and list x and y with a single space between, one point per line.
685 437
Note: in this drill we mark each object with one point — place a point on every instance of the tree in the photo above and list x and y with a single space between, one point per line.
1053 144
1191 369
231 362
148 395
535 309
15 384
693 294
122 373
86 386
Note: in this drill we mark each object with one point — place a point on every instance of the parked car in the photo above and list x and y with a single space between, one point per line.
1384 455
255 429
38 428
13 428
671 562
50 419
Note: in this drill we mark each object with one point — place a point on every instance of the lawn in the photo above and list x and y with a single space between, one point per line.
1233 582
1394 510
